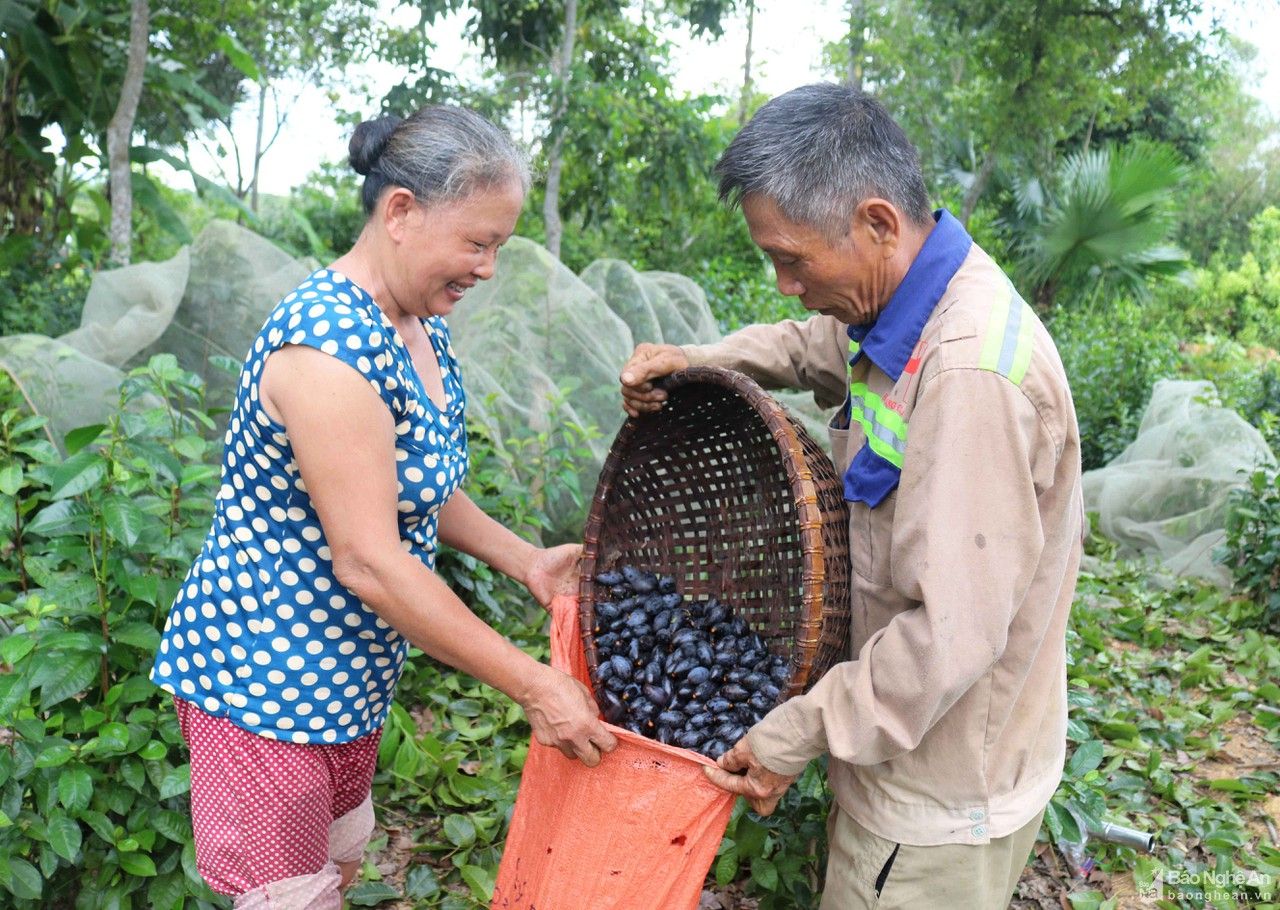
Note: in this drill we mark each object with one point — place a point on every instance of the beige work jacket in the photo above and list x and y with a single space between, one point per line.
947 723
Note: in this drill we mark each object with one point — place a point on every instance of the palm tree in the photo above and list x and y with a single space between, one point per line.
1107 222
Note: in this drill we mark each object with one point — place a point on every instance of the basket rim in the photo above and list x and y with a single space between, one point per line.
809 517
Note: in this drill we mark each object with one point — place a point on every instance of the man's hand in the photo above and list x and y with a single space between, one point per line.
554 571
761 787
648 362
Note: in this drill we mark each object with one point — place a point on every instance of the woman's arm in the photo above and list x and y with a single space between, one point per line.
545 572
343 437
464 526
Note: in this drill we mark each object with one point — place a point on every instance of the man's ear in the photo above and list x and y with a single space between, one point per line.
878 221
398 207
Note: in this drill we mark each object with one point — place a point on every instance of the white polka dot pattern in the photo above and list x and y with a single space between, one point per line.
260 616
262 810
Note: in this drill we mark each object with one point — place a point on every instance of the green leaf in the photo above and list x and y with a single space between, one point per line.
460 830
406 760
166 892
240 58
80 437
29 424
54 753
173 825
50 60
764 873
750 837
11 478
26 882
192 447
67 641
147 196
176 782
371 894
64 836
133 774
91 718
58 518
480 881
421 882
154 750
80 670
100 824
13 689
15 647
1086 757
145 588
75 789
124 520
189 868
82 471
727 867
139 634
138 864
466 707
113 737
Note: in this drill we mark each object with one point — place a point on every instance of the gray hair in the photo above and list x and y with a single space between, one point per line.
440 153
820 150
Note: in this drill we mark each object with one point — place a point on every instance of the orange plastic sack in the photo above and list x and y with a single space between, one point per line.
637 832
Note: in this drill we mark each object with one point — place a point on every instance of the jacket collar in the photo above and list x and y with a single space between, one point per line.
889 341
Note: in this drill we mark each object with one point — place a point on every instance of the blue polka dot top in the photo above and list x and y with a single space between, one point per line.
261 631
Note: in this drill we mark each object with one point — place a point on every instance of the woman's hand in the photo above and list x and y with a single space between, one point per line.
553 571
563 714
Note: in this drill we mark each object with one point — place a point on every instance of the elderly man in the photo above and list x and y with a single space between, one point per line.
958 444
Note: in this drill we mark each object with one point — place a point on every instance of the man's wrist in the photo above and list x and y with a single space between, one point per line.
778 745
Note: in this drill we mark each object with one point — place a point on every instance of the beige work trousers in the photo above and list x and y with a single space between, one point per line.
954 876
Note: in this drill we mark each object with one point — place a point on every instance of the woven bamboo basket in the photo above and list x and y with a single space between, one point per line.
723 491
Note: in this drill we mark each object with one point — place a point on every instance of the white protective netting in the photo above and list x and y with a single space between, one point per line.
1165 497
537 343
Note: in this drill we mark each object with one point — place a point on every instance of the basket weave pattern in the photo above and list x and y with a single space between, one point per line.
722 490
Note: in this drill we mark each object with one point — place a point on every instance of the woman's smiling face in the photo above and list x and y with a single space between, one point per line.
447 248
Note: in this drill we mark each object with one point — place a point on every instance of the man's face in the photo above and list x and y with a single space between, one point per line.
850 279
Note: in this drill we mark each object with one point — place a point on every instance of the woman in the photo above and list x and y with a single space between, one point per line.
344 457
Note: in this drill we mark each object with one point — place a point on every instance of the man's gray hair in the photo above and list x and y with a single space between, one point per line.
440 153
817 152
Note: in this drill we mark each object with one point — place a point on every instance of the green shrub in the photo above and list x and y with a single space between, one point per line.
322 217
40 291
1113 350
1252 549
742 293
1247 380
92 786
780 859
1242 301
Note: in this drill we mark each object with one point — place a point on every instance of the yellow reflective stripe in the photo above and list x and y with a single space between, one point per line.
1026 344
1010 339
990 358
884 427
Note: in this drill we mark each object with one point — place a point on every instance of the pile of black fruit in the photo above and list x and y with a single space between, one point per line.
686 673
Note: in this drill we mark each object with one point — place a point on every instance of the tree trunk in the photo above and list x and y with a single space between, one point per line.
745 98
257 147
977 188
562 68
120 135
20 182
857 40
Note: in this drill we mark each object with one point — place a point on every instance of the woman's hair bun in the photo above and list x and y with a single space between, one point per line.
369 141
